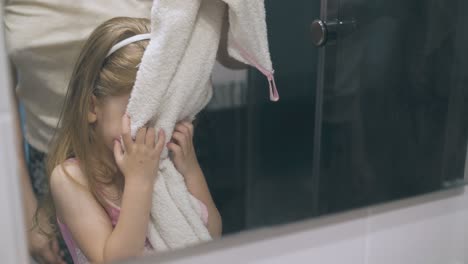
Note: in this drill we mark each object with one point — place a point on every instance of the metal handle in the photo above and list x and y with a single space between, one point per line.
325 32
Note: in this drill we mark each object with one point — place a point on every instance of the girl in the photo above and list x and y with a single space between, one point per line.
101 188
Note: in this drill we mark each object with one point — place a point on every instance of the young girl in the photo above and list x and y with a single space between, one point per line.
101 188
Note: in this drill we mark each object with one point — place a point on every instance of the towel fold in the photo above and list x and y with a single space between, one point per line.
173 84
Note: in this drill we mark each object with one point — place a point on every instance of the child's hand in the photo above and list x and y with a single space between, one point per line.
183 152
139 159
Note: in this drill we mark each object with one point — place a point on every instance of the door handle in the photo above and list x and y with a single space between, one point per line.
326 32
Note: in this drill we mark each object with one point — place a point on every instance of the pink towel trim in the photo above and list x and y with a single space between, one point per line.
274 96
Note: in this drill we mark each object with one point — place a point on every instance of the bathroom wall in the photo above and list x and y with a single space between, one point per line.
12 243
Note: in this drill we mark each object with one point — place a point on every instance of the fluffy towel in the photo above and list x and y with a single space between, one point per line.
173 84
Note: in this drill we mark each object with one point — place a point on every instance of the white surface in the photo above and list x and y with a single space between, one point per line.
12 247
12 242
424 233
320 245
3 97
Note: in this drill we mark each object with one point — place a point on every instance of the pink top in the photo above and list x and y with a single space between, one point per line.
114 213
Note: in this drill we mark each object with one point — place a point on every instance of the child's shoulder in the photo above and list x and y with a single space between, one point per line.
67 175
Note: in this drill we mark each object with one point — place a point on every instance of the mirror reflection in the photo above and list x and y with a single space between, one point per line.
375 115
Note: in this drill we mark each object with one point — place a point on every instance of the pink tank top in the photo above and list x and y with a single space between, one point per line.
114 213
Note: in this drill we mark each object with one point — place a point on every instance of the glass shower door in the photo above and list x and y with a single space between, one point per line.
279 183
391 108
257 154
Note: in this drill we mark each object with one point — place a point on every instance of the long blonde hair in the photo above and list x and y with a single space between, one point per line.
94 74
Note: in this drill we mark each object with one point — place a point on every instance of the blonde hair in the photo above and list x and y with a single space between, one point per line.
94 74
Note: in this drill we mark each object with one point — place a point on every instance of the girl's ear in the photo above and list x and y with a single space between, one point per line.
92 112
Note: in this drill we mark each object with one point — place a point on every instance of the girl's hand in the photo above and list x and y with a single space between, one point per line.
181 146
139 159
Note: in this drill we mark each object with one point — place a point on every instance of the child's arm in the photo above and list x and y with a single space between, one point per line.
89 223
186 163
198 187
76 207
87 220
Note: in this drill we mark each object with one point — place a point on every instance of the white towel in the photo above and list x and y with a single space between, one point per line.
173 84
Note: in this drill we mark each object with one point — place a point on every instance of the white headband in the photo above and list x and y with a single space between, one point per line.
127 41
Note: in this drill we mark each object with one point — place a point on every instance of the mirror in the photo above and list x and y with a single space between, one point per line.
377 114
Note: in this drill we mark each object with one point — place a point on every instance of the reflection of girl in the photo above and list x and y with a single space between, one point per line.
43 39
101 187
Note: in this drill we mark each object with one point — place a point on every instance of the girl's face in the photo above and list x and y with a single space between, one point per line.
107 117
